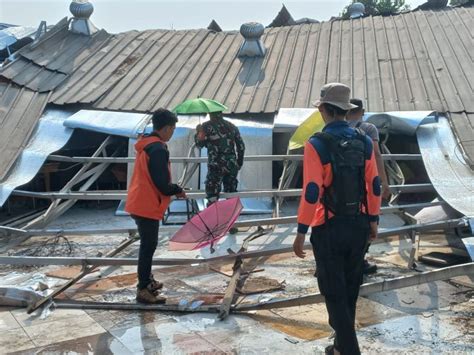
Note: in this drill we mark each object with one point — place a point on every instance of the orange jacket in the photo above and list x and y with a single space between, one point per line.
317 174
144 199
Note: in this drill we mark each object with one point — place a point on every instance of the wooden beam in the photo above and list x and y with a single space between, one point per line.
237 270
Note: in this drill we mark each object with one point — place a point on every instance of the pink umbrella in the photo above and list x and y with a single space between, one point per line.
208 226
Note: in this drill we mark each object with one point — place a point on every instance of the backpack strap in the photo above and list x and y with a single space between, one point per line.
360 135
330 143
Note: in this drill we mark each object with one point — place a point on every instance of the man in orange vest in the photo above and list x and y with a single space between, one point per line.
341 204
149 196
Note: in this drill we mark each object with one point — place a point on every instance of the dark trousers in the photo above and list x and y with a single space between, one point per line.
217 176
339 247
148 231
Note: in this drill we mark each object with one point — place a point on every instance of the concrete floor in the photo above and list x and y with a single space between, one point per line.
435 317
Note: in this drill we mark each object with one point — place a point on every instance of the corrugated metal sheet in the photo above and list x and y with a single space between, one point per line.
463 124
20 110
421 60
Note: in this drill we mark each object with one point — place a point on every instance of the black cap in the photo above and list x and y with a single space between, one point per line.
358 103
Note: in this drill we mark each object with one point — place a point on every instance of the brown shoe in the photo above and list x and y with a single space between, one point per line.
145 295
155 285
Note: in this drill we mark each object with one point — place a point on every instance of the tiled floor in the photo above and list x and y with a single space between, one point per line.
429 318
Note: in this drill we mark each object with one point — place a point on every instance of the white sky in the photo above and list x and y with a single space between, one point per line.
123 15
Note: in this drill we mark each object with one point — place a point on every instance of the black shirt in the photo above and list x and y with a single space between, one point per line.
158 167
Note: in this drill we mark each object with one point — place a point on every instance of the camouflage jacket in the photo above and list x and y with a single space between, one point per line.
222 139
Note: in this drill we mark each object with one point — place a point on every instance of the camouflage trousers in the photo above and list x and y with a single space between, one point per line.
218 175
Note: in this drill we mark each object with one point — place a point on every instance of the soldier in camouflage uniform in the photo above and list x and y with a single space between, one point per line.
222 139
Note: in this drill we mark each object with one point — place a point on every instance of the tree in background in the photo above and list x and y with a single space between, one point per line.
380 7
457 2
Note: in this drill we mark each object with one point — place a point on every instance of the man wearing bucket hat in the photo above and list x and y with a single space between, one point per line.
340 202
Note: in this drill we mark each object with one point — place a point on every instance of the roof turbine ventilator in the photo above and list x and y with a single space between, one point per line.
80 23
253 45
356 10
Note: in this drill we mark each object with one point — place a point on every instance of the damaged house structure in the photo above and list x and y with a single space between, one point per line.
73 101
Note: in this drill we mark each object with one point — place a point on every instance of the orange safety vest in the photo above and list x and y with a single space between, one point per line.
144 199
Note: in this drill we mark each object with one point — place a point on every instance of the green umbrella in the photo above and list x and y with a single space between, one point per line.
199 105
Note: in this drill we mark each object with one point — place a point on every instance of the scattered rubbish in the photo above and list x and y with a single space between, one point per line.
260 284
264 299
58 245
183 304
35 282
18 297
196 304
41 286
443 259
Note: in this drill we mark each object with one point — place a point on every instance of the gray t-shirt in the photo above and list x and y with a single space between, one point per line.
368 128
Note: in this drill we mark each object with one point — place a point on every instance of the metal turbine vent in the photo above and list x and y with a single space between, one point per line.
80 23
253 45
356 10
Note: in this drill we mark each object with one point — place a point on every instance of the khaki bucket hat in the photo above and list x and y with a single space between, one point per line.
336 94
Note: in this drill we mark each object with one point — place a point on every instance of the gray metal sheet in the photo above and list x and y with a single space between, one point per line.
113 123
50 136
469 244
447 170
409 62
402 122
253 175
20 110
10 35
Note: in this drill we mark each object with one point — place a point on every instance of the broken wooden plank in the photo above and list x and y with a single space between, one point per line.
237 270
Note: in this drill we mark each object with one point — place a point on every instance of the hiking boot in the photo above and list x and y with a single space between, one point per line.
369 268
155 285
145 295
329 350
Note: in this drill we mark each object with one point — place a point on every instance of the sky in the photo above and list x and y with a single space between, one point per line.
123 15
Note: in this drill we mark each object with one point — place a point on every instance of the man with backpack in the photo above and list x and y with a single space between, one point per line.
341 203
354 118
